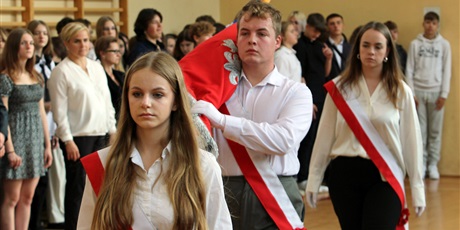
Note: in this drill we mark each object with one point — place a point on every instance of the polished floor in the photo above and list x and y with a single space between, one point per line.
442 212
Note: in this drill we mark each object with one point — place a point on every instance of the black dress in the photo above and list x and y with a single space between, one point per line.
116 90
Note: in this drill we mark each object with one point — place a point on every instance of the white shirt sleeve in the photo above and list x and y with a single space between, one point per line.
280 136
57 86
412 147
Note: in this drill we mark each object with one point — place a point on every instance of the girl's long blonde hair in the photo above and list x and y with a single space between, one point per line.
392 76
184 180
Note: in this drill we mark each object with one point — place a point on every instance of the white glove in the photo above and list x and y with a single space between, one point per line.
311 198
419 210
216 118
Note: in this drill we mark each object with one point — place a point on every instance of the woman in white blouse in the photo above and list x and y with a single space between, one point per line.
82 110
366 176
285 59
156 177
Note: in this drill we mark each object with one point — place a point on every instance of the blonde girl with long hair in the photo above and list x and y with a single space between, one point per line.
155 174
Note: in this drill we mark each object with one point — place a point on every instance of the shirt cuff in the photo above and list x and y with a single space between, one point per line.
418 196
232 126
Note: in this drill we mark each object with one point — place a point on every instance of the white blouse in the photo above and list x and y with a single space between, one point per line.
80 101
154 202
398 127
287 63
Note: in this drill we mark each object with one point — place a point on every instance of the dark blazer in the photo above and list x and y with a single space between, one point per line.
116 90
336 69
3 120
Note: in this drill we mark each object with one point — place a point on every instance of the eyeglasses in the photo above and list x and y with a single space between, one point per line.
113 51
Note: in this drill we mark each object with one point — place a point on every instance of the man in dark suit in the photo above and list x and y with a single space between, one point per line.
3 128
338 44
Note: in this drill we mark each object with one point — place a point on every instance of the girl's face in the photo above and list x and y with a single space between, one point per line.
109 29
170 44
151 101
122 47
154 28
297 26
290 36
186 47
78 45
41 36
26 47
373 48
113 54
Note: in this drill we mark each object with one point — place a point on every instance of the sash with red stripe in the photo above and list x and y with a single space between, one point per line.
95 171
375 147
284 216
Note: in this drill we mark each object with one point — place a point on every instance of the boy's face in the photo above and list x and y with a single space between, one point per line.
312 33
430 27
335 26
257 40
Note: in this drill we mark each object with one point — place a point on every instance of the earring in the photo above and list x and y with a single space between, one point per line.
357 56
385 59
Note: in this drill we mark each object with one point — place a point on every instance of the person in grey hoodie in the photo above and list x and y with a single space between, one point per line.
428 73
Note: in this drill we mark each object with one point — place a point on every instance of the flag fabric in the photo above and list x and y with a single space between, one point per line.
211 70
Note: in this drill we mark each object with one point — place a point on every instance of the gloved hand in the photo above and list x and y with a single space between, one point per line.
419 210
311 198
216 118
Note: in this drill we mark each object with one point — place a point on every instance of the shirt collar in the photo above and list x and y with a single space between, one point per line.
273 78
137 159
333 42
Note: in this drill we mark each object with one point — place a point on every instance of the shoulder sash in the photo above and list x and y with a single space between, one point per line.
370 139
267 187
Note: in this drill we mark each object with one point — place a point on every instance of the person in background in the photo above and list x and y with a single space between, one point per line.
184 44
148 29
3 128
60 51
124 48
51 183
316 60
219 27
3 37
155 154
106 26
201 31
428 73
108 52
285 59
262 125
402 54
28 148
338 44
206 18
299 20
87 23
82 110
170 43
370 137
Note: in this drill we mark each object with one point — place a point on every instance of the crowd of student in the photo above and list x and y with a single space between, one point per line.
66 97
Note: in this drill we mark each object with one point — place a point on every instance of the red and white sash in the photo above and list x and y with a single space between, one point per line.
95 171
370 139
266 185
